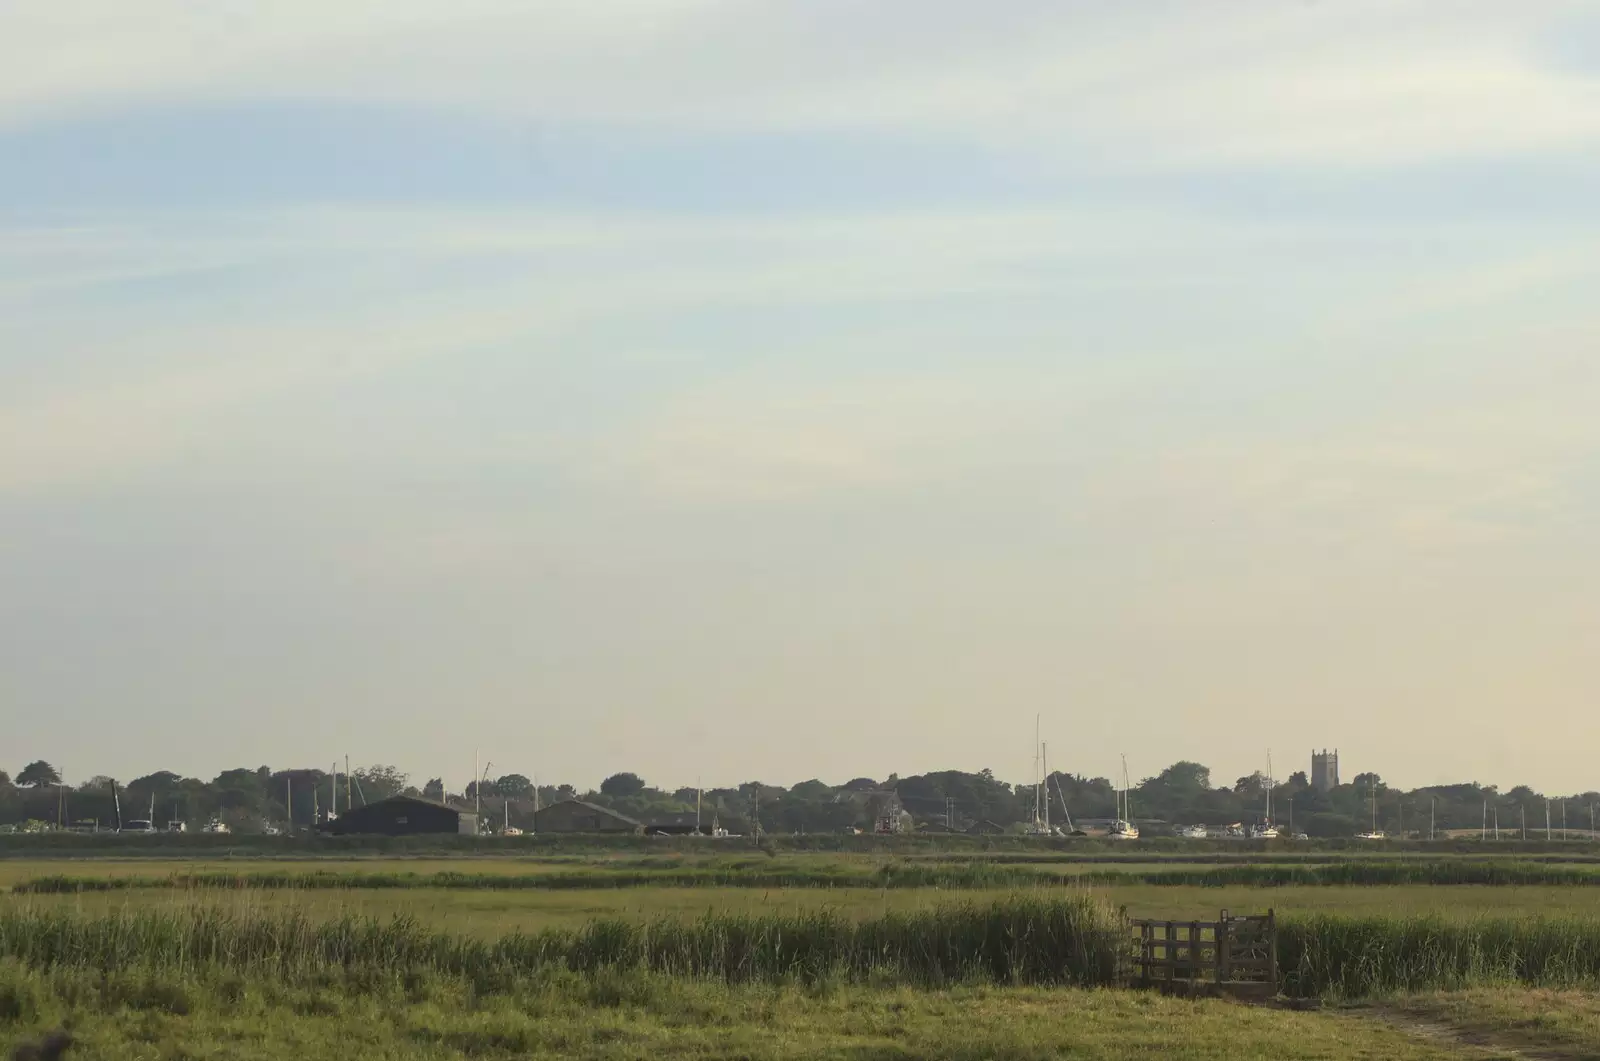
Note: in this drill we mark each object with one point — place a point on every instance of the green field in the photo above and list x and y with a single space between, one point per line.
486 913
500 965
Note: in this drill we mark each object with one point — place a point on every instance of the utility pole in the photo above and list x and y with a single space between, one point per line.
1522 808
288 804
1547 821
1483 830
347 803
1291 817
950 812
1563 819
1430 817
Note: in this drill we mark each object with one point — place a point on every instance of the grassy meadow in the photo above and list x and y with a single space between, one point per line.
260 1018
788 955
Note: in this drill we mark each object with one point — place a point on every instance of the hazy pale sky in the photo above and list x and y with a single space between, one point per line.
756 389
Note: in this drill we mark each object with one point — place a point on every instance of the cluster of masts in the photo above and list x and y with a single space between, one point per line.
1123 827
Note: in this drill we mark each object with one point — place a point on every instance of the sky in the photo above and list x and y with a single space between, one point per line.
735 390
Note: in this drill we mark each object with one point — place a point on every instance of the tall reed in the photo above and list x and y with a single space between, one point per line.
1359 957
1070 939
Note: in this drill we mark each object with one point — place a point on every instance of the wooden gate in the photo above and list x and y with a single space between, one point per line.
1235 956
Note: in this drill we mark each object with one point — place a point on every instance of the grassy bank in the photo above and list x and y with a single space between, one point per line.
770 874
205 845
755 875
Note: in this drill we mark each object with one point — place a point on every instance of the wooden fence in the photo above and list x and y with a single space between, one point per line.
1235 956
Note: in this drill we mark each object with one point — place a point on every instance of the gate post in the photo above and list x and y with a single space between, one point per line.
1272 949
1194 957
1224 949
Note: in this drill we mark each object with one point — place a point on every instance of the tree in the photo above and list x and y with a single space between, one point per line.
38 773
434 789
379 782
1253 783
1368 781
622 785
160 782
514 786
5 779
1184 776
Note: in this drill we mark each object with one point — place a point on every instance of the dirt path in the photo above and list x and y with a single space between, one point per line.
1472 1043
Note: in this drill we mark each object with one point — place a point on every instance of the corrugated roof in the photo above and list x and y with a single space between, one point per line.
594 807
401 797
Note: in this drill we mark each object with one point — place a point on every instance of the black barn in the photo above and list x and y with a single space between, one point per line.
403 816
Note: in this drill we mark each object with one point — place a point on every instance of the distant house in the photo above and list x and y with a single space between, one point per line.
985 828
576 816
404 816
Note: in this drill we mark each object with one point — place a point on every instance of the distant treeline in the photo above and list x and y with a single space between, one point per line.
263 799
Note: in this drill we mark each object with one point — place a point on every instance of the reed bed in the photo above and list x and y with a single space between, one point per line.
1059 940
1069 940
1355 958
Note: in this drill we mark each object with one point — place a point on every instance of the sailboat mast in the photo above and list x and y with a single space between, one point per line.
1036 747
1044 758
1127 802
